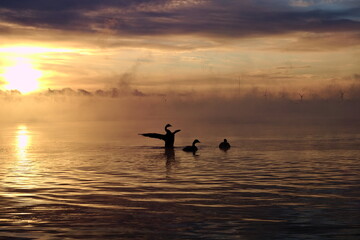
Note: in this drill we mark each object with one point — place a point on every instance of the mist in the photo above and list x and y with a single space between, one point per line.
329 105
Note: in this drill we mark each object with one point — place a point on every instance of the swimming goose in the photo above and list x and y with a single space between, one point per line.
168 138
224 145
191 148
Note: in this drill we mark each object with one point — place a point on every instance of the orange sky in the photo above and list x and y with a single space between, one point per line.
156 46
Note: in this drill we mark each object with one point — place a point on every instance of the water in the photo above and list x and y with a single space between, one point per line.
102 181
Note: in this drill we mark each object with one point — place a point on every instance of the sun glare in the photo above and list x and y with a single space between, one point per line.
20 73
22 76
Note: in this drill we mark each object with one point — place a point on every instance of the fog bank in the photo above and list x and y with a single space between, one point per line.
254 106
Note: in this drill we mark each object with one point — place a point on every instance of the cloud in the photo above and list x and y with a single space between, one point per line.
211 18
301 3
319 42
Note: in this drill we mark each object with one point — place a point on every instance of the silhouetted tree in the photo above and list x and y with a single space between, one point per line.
114 92
15 92
84 92
68 91
100 93
138 93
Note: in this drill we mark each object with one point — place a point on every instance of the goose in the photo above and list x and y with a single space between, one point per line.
191 148
168 138
225 145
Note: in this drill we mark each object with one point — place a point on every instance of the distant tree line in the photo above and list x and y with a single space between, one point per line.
329 92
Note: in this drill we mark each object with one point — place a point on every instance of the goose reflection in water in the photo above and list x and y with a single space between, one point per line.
170 160
170 154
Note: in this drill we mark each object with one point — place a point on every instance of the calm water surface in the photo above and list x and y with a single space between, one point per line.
84 181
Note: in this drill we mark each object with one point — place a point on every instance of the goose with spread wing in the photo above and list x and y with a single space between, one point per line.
168 137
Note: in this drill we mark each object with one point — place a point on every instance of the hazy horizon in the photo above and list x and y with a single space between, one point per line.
329 106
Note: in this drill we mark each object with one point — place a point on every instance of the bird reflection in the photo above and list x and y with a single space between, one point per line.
170 154
170 160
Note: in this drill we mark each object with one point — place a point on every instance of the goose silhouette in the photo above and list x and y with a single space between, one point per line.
225 145
191 148
168 137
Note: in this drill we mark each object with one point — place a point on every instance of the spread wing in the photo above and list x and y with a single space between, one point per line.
176 131
154 135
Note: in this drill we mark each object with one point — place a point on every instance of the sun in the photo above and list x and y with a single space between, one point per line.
22 76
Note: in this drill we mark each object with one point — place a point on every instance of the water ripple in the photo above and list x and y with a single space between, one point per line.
260 189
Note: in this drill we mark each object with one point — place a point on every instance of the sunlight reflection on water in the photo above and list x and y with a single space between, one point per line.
23 142
22 176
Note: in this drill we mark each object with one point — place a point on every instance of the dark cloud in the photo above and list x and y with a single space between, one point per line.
202 17
68 5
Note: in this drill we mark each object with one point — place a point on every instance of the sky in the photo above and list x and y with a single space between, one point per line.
162 46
